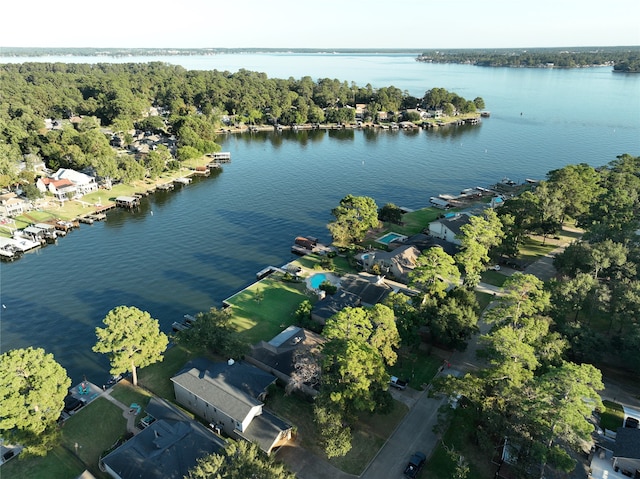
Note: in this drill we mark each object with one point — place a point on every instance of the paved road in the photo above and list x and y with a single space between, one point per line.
414 433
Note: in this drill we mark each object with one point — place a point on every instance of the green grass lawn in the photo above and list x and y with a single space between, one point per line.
368 437
483 300
95 428
57 463
265 308
612 417
128 394
532 249
157 377
415 221
418 367
494 278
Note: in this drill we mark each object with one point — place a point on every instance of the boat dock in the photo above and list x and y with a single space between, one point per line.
166 186
185 180
222 157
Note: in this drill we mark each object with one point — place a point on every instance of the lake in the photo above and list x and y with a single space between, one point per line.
186 251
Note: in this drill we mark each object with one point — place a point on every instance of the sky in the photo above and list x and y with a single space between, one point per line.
322 24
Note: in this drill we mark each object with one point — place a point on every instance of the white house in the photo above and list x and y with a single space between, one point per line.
448 228
84 183
12 205
61 189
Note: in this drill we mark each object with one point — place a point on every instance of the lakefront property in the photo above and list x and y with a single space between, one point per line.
301 363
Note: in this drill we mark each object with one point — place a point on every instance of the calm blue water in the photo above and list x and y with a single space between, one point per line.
207 240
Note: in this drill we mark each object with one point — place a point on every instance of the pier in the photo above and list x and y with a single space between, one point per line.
183 180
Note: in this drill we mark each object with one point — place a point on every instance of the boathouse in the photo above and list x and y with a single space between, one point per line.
128 201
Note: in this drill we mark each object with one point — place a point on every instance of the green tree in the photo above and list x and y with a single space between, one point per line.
354 216
214 331
434 273
477 237
390 213
239 460
132 339
32 391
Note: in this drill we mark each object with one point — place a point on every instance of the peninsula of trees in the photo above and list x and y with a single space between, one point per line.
622 59
194 105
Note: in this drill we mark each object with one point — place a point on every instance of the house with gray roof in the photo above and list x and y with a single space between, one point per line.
332 304
399 262
449 227
230 397
626 451
370 289
166 449
277 356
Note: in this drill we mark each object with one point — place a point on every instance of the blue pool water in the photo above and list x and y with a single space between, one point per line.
317 279
389 237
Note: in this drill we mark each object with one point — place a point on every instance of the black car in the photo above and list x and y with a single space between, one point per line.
415 464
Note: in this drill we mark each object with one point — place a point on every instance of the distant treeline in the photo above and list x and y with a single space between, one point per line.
622 59
141 52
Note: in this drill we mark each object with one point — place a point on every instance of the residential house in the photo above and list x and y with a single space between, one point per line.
449 227
84 183
166 449
398 263
12 205
626 451
332 304
370 289
278 356
62 190
230 397
424 242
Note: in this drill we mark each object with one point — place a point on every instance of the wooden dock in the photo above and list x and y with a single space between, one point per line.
166 186
221 157
185 180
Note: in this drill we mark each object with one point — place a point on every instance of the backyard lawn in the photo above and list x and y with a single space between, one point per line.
265 308
157 377
95 428
57 463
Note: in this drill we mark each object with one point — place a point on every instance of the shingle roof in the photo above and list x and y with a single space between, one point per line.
233 388
369 292
627 443
167 448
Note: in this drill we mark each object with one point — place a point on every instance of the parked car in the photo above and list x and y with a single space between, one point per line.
415 464
398 383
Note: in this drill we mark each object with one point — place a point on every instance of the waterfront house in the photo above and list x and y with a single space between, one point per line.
370 289
449 227
398 262
230 397
62 190
277 356
84 183
166 448
332 304
12 205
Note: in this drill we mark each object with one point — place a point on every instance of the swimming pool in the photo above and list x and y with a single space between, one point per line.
316 280
389 237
